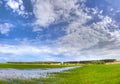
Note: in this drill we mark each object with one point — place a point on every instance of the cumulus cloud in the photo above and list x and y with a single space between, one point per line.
51 11
5 28
44 13
94 39
19 52
16 6
89 34
83 36
43 52
32 50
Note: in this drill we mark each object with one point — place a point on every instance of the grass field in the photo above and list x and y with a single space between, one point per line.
91 74
88 74
29 66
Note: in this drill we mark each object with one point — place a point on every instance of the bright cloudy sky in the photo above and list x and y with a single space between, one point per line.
59 30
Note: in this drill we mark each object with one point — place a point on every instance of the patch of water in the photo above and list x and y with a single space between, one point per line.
29 73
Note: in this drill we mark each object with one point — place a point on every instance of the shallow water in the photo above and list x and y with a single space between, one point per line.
29 73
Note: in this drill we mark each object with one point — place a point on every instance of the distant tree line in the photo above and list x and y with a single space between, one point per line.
50 62
91 61
69 62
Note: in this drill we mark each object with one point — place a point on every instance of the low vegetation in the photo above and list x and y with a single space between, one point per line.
87 74
29 66
91 74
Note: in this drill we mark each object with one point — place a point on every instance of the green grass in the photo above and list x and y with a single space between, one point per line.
91 74
88 74
29 66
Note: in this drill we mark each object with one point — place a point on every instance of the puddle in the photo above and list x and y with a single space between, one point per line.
29 73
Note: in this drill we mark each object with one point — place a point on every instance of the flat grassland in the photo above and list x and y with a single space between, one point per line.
30 66
87 74
91 74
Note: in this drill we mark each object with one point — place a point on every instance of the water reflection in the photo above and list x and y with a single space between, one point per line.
29 73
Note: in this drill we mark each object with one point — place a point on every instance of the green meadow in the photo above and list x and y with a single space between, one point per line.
87 74
30 66
91 74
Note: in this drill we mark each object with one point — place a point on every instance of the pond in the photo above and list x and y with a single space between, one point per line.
11 73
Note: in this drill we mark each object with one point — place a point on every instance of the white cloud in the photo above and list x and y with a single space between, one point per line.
20 52
5 28
44 12
42 52
80 41
1 3
16 6
32 50
79 35
93 39
50 11
48 53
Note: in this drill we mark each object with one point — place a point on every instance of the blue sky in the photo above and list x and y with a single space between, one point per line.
59 30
